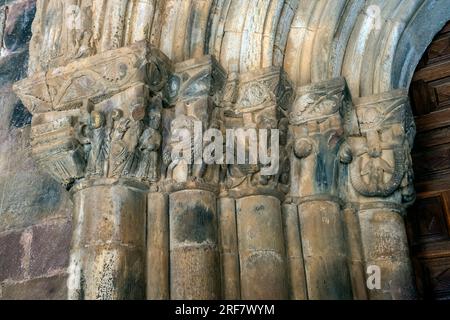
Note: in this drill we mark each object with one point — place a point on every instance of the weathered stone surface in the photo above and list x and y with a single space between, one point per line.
229 249
294 253
316 134
11 253
158 247
29 195
194 250
13 67
52 288
17 31
261 248
108 245
49 248
385 245
378 178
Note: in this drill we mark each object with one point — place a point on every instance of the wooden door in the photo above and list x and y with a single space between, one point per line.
428 221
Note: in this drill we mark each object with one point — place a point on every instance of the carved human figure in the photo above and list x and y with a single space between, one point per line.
149 144
98 153
178 154
124 141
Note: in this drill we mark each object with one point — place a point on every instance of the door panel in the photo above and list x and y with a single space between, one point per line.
428 220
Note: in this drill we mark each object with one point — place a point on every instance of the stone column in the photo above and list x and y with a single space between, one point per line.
316 133
158 246
96 129
252 101
379 176
108 245
231 286
192 182
295 262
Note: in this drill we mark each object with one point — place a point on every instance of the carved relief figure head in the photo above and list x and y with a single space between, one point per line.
97 120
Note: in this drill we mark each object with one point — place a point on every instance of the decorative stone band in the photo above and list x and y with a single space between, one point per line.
94 78
378 149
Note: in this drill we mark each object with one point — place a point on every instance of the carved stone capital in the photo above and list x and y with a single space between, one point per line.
257 100
99 117
94 78
194 90
315 135
378 149
196 78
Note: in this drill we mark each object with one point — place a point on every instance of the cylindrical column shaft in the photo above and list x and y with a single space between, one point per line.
385 248
229 249
108 244
295 263
194 252
324 250
158 247
356 259
261 248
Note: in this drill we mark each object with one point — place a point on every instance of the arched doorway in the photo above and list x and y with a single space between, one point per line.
428 221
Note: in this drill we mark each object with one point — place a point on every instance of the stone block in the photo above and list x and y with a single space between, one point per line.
11 253
50 248
54 288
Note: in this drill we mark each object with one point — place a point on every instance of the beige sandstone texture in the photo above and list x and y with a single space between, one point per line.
110 81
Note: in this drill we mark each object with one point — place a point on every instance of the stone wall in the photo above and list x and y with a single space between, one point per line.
35 227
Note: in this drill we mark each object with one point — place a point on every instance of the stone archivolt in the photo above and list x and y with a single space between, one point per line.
149 226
